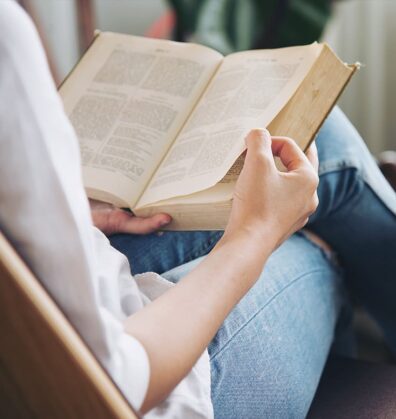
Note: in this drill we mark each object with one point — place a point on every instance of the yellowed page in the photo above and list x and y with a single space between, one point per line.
249 90
205 210
221 192
127 100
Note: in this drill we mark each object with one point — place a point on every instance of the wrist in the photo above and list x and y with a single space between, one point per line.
260 240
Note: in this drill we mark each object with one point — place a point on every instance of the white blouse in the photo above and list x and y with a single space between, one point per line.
45 214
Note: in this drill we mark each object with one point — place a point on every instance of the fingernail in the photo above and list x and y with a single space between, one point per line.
263 133
266 134
259 133
165 222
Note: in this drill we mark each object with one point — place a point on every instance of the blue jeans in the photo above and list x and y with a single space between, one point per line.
267 358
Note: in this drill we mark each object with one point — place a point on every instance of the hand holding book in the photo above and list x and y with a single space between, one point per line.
269 202
162 124
112 220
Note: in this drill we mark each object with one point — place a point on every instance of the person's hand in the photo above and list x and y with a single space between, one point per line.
112 220
267 202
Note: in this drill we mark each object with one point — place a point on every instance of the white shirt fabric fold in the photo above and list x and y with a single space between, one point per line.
45 214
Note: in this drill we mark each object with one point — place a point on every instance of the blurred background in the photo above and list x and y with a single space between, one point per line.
358 30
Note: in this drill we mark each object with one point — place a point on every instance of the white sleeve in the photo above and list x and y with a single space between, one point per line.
43 207
128 364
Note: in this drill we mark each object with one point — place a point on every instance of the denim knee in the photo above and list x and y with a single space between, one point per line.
338 189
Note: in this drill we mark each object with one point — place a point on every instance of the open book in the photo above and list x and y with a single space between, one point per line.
162 124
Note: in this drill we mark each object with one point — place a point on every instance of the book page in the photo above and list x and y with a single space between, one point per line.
249 90
127 100
205 210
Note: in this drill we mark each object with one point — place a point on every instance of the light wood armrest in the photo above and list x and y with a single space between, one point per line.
46 370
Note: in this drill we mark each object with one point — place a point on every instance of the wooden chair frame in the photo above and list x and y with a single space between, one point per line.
46 370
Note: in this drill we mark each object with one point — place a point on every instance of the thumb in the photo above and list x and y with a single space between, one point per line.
258 141
143 225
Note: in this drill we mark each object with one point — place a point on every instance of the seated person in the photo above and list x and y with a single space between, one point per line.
254 312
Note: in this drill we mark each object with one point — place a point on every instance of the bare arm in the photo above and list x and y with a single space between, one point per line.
268 207
184 320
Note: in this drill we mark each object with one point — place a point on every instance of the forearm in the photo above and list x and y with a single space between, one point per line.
177 327
268 206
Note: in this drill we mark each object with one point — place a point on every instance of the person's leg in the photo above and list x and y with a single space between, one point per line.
267 358
356 216
160 252
344 162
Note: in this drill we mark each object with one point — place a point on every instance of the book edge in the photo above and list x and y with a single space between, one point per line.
97 34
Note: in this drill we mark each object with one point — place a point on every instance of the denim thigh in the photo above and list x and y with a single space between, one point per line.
268 356
341 152
162 251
